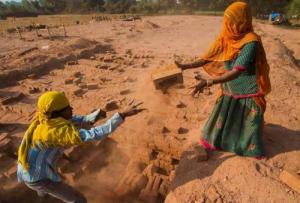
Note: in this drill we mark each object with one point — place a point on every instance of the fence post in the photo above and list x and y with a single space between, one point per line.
65 33
49 32
36 30
19 33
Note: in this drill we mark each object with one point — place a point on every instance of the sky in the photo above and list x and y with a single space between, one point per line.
10 0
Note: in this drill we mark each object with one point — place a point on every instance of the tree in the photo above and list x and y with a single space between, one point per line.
294 8
118 6
95 5
32 6
52 6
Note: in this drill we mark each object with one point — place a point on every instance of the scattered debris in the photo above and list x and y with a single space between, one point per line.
68 81
103 66
71 63
12 171
27 51
128 79
180 105
5 144
292 179
128 51
13 98
165 130
77 74
182 130
125 92
108 59
77 81
78 92
33 90
82 85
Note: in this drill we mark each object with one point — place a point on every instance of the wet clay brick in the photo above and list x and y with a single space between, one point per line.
168 74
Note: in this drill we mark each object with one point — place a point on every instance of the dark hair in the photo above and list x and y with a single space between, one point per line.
57 113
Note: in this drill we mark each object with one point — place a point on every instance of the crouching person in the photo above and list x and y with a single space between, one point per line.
51 131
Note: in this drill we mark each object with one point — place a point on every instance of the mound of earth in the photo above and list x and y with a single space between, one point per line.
154 156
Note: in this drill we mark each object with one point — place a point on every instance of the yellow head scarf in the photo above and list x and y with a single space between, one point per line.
237 31
46 132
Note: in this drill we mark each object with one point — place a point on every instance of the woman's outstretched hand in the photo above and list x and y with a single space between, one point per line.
132 110
179 64
198 88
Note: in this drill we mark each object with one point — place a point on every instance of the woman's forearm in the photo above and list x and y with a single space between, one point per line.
195 64
226 77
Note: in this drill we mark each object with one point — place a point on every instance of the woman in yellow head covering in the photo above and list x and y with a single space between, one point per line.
50 132
236 121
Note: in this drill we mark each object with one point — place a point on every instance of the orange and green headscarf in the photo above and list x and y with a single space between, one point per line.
238 31
45 131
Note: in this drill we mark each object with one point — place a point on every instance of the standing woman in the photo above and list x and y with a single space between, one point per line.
236 122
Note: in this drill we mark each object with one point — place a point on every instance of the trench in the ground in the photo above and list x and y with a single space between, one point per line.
146 175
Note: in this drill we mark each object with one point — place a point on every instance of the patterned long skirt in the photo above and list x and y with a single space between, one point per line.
235 125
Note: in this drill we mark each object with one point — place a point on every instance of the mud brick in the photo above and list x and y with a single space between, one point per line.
71 63
33 90
7 163
92 86
77 74
180 105
151 192
165 166
12 171
164 157
5 144
168 74
32 76
77 81
3 136
128 51
11 99
291 179
150 170
182 130
164 188
68 81
145 155
165 130
78 92
140 182
172 175
124 92
108 58
102 66
82 85
69 177
121 70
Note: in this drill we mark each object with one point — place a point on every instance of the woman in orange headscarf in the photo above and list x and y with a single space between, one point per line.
236 122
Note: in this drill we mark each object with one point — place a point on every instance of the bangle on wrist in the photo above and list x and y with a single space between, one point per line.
209 82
